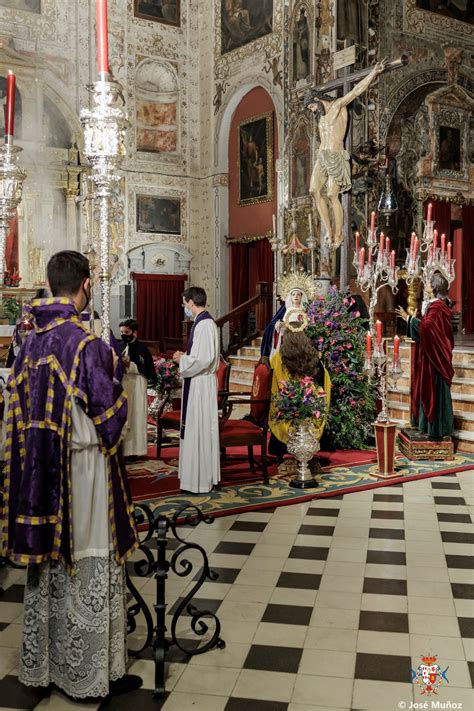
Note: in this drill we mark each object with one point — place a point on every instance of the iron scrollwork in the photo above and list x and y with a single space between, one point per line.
201 620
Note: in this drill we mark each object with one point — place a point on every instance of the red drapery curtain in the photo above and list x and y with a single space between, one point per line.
239 270
264 256
468 266
441 216
158 305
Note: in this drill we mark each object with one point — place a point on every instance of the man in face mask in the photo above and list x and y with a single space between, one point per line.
136 352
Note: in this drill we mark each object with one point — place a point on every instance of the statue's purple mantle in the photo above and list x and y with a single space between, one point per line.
59 361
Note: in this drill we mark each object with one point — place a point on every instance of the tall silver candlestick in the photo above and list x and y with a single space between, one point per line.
104 137
11 189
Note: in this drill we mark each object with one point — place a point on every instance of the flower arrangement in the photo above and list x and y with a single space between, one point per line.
167 377
298 400
11 308
11 278
338 333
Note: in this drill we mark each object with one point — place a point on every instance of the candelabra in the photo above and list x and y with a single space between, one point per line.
104 137
378 272
437 259
11 188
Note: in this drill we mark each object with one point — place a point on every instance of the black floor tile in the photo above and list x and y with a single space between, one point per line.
256 526
309 530
471 672
466 626
449 500
383 622
383 667
309 552
139 700
174 653
269 510
381 513
14 695
3 625
234 548
287 614
275 659
236 704
320 511
301 581
463 591
391 533
226 575
386 557
455 537
453 517
385 586
200 603
389 498
15 593
445 485
460 561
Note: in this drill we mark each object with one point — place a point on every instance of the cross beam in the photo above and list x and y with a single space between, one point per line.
354 77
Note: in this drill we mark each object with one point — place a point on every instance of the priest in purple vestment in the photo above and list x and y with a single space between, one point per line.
67 507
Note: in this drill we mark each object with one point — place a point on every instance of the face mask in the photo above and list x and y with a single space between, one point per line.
88 297
188 313
126 338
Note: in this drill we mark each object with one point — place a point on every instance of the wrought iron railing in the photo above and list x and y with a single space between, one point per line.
201 621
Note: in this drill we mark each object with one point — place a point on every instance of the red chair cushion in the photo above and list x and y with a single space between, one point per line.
243 430
171 419
261 390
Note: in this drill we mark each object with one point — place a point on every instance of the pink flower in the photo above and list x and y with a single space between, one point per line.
357 314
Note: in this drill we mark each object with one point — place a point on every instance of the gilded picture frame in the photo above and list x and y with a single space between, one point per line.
255 159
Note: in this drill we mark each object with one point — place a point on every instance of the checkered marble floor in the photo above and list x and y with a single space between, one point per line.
323 605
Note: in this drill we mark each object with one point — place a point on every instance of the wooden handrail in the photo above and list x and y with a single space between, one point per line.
242 330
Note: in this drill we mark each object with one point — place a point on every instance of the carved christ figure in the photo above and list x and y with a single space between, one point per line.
332 170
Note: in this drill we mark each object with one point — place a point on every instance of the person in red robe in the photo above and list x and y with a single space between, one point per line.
431 403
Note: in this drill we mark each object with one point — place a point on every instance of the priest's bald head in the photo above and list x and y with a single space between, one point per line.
68 274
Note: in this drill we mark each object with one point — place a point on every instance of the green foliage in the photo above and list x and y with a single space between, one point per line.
11 307
339 335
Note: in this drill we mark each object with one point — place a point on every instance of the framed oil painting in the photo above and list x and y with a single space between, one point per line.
455 9
255 151
167 12
26 5
449 148
158 214
243 21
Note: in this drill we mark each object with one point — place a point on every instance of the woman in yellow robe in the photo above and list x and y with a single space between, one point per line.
296 359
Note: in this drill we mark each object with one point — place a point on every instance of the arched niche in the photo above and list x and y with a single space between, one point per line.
159 258
301 44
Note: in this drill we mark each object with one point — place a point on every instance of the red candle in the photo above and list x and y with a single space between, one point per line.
361 259
415 248
429 215
369 256
102 37
396 348
387 244
412 245
357 242
368 344
372 222
392 259
382 241
378 333
450 255
435 240
10 105
443 243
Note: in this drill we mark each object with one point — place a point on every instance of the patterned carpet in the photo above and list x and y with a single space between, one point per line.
336 481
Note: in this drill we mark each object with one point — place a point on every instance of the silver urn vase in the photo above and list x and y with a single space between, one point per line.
303 444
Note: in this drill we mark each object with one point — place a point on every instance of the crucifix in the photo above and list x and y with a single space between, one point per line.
332 171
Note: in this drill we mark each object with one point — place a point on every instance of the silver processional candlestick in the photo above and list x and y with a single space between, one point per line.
11 189
104 128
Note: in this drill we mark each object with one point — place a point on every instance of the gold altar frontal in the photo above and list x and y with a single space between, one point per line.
413 446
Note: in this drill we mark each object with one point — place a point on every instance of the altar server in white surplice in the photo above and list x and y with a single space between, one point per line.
199 456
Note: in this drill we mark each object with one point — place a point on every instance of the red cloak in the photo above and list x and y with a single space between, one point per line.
433 354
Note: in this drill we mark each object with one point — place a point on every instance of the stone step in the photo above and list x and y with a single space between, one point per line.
463 421
461 356
458 394
239 385
249 351
242 362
